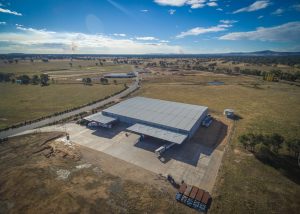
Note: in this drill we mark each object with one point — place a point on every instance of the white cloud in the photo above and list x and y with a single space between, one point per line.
144 11
194 4
212 4
164 41
30 40
177 3
119 34
258 5
278 12
197 5
296 7
146 38
2 23
171 11
219 9
2 10
260 17
228 21
286 32
201 30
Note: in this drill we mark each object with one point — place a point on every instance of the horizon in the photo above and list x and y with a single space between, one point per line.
149 27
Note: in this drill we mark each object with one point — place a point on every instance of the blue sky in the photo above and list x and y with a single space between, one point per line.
148 26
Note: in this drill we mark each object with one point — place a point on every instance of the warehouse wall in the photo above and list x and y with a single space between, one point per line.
198 123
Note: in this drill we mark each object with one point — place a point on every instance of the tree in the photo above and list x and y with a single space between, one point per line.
244 139
44 79
293 145
250 141
25 79
87 81
115 82
35 79
275 140
6 77
104 81
253 141
70 63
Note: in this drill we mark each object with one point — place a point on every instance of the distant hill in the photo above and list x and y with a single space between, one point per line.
263 53
256 53
153 55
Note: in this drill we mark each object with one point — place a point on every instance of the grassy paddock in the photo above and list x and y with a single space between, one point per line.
61 67
26 102
245 184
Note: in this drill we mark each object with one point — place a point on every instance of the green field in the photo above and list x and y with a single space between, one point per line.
26 102
245 184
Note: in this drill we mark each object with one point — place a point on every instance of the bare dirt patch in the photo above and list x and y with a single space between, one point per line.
34 182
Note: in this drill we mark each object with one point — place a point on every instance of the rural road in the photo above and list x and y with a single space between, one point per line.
14 131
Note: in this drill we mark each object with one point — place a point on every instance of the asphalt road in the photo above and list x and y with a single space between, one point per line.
53 119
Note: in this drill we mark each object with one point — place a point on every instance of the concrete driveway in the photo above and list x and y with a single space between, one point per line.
195 162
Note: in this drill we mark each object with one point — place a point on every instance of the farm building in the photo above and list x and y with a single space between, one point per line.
170 121
120 75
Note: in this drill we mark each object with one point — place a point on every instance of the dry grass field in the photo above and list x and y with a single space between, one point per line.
26 102
245 184
61 67
252 66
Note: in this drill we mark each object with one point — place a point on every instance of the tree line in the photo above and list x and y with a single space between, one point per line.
103 81
260 143
42 79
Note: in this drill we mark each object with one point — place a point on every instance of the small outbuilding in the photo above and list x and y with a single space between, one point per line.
229 113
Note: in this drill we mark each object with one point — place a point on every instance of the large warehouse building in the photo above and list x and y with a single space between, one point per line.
170 121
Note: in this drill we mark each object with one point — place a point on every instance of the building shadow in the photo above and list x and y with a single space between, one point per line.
203 143
150 144
112 132
235 117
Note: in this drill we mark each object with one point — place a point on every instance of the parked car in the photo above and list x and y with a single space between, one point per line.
92 125
207 121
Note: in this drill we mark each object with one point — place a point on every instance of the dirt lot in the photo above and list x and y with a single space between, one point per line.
40 176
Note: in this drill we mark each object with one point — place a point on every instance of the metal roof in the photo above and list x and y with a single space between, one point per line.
170 114
163 134
100 118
